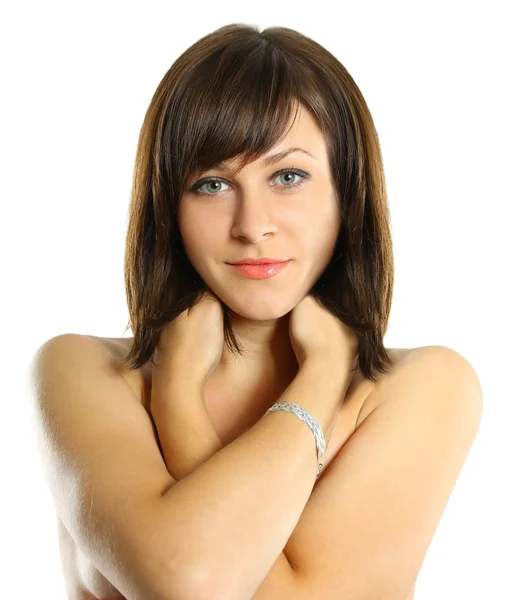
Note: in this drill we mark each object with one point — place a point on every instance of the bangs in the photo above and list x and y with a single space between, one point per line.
233 104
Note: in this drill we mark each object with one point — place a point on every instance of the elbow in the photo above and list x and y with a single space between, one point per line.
193 583
184 573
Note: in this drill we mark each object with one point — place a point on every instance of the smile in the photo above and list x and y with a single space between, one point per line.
261 271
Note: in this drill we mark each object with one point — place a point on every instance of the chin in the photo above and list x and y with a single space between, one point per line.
267 306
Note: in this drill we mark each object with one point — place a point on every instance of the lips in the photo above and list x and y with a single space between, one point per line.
260 270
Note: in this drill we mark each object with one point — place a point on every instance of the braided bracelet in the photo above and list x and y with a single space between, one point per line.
312 423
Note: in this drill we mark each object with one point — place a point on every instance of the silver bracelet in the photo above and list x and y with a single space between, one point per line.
312 423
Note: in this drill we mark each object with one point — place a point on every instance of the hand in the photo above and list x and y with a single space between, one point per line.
315 333
191 345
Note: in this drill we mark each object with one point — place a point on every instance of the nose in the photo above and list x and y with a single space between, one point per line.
252 220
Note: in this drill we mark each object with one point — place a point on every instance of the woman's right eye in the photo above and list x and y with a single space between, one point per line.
215 182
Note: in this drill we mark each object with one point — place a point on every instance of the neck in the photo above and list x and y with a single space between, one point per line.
267 350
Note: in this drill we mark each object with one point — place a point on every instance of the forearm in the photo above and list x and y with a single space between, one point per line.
231 518
186 433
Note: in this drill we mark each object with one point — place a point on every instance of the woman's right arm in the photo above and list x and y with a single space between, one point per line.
124 510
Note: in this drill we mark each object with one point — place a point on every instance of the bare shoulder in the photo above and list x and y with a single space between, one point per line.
440 361
407 361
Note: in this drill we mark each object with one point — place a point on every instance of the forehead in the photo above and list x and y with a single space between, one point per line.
304 136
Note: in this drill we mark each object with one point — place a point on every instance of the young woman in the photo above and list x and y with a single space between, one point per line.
254 438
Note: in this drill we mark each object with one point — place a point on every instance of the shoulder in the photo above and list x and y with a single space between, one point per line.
441 362
71 341
79 348
412 365
108 353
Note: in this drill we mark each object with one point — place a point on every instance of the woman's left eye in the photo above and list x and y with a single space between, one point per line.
196 188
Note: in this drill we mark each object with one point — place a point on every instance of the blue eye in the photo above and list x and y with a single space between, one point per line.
196 188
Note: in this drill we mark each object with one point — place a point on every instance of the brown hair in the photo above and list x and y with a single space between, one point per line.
231 94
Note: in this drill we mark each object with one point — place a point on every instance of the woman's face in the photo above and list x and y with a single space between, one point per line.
262 213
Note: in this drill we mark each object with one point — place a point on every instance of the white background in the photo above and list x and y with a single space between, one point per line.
77 78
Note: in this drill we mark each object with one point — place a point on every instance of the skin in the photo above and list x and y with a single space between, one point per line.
256 214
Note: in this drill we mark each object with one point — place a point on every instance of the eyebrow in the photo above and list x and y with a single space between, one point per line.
270 160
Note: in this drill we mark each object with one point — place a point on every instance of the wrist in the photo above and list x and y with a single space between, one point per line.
326 371
322 388
177 378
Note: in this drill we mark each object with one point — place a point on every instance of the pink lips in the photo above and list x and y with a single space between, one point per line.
260 271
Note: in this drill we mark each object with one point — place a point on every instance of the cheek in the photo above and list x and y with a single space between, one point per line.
193 231
196 244
201 242
320 226
321 235
330 220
